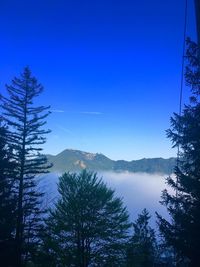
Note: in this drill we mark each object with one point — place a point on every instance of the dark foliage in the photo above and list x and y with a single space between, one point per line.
25 135
88 226
142 251
182 233
7 202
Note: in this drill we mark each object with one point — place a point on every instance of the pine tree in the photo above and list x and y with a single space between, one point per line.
142 248
182 232
7 202
88 226
25 136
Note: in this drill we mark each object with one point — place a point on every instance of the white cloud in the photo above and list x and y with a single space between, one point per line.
138 190
77 112
57 111
91 112
64 129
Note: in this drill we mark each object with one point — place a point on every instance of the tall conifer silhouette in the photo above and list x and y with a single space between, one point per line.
26 136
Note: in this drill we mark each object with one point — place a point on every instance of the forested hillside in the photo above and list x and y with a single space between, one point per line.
75 160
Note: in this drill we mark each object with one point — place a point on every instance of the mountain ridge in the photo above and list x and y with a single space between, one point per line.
76 160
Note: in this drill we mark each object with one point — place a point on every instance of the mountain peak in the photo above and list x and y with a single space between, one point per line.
76 160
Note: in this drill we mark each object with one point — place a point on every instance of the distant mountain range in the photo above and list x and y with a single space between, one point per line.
75 160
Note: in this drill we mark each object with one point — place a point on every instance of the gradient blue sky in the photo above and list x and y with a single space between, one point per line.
111 69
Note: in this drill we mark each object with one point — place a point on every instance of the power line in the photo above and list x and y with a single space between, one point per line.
182 71
180 101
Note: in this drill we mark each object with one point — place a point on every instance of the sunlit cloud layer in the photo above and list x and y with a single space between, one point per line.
138 191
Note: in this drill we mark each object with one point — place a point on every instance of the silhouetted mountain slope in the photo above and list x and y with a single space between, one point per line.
75 160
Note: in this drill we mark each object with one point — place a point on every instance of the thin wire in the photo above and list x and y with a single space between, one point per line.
180 103
182 70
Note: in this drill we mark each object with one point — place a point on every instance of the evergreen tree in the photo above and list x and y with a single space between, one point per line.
142 248
26 135
7 202
182 232
88 226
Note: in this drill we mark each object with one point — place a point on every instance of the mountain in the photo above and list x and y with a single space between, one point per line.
76 160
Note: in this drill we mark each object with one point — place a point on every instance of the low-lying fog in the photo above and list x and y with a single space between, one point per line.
138 190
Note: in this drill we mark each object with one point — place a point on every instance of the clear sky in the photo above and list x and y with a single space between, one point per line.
111 69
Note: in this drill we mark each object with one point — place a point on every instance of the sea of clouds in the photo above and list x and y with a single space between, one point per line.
138 191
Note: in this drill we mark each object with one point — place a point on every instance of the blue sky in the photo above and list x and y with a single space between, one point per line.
111 69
